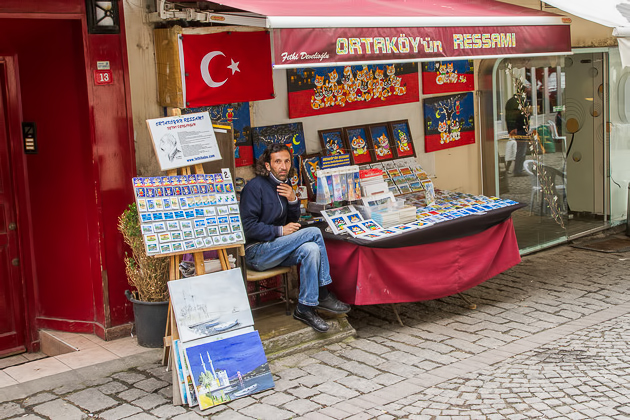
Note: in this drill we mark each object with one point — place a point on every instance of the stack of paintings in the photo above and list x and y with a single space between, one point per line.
219 357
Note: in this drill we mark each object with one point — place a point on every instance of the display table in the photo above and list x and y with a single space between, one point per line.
424 264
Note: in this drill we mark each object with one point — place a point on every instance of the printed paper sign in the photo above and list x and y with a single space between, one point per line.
183 140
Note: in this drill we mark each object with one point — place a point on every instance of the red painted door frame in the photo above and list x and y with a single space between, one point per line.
24 298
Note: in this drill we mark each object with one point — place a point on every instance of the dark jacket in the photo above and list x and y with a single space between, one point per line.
264 211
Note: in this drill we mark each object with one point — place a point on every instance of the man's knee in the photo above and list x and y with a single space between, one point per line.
314 232
309 251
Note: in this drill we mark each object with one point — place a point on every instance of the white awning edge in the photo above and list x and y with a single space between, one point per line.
280 22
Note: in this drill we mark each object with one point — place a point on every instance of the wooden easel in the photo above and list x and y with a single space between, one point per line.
175 258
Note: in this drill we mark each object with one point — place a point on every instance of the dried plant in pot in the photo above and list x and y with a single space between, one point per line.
149 275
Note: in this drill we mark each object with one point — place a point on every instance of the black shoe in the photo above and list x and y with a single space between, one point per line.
331 304
311 319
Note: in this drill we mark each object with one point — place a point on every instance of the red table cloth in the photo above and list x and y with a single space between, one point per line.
366 276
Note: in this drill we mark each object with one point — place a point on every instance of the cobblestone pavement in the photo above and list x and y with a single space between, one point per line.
548 340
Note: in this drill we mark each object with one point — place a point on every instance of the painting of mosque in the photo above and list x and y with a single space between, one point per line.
229 368
210 304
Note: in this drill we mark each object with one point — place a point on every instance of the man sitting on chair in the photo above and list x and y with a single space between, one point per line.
270 211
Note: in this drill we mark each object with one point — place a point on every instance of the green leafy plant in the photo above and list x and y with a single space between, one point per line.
148 274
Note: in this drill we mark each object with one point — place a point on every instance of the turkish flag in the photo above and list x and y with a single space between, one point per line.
227 67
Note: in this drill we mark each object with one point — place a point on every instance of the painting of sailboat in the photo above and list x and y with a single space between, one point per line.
227 369
210 304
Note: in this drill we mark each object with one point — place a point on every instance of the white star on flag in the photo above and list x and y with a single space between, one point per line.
234 66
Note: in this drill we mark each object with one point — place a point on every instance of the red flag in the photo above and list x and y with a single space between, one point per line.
227 67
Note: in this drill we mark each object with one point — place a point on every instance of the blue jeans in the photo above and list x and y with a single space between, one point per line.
305 247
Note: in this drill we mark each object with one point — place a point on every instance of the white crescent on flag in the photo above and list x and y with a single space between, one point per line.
205 71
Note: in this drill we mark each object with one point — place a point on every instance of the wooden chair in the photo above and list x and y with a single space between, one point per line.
256 277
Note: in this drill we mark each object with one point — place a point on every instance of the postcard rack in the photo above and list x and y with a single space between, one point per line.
175 258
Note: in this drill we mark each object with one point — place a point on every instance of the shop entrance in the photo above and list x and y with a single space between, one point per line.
556 164
12 322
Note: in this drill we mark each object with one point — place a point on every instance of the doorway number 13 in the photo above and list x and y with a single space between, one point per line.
103 77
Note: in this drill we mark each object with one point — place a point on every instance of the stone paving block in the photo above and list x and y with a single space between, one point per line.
338 390
10 409
291 373
363 357
301 407
232 415
37 399
360 416
112 388
325 372
370 346
310 380
151 384
92 400
277 398
132 394
141 416
59 410
150 401
168 411
303 392
387 379
316 416
403 357
266 412
335 413
120 412
68 387
400 369
326 399
329 358
191 415
129 377
242 403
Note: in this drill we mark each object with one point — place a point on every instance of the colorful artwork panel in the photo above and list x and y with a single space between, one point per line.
210 304
402 141
357 144
237 115
447 76
290 134
449 121
325 90
380 142
310 165
228 369
332 142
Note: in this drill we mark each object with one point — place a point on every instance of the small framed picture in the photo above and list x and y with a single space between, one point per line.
380 141
402 141
332 142
357 144
310 165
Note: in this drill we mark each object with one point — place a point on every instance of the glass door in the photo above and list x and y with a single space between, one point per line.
530 144
585 134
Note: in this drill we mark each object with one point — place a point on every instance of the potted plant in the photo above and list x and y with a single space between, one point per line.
149 275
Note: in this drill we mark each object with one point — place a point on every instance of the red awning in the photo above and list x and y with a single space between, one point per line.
327 32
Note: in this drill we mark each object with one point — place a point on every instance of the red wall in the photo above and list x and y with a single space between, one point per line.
80 180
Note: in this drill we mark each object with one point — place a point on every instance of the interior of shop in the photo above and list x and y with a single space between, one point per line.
561 175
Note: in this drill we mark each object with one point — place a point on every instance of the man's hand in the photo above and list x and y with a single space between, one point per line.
286 190
289 228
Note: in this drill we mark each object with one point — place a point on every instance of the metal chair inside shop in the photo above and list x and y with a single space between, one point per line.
538 192
261 288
